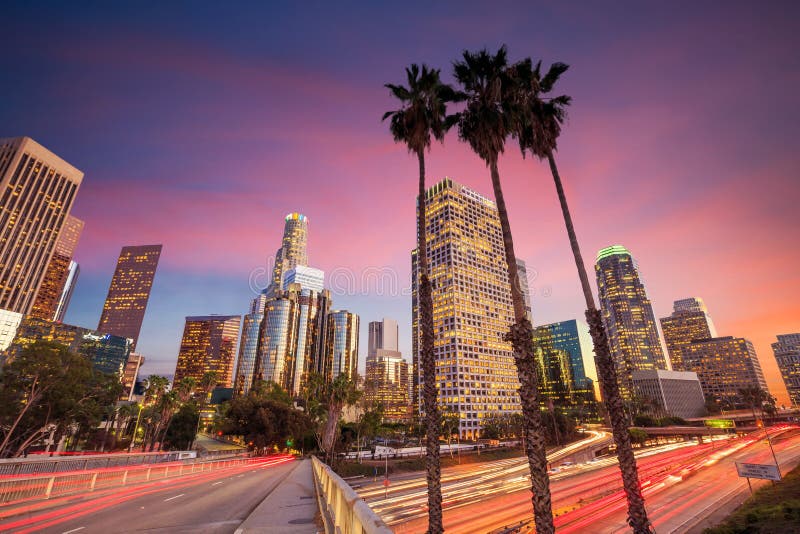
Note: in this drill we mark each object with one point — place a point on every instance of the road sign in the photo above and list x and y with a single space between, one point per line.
719 423
386 482
765 471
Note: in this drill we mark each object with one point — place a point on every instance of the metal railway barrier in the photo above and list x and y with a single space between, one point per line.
342 510
14 489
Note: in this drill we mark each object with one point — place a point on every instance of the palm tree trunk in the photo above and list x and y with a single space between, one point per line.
607 373
430 404
521 337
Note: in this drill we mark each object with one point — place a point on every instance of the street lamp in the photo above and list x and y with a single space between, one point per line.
135 430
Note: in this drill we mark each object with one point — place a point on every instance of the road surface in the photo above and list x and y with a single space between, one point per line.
215 502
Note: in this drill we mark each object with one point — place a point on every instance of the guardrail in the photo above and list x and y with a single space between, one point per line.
62 464
342 510
15 489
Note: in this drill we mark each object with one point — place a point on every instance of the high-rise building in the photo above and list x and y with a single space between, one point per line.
37 191
307 277
248 346
689 321
573 338
627 315
123 311
522 273
673 393
386 376
386 384
787 355
291 342
55 279
724 365
472 311
383 334
209 345
69 288
556 380
107 353
293 250
341 344
130 374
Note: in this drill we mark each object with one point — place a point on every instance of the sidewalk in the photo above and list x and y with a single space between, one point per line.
291 508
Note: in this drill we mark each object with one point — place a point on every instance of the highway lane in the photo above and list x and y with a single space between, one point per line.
215 502
685 505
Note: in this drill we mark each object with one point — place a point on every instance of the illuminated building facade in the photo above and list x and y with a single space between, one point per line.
209 345
130 374
51 290
386 376
689 321
69 288
472 310
293 250
248 346
787 355
573 338
628 316
123 311
724 365
307 277
108 353
341 345
37 191
673 393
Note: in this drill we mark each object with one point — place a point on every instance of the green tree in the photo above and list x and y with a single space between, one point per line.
180 433
49 388
422 116
537 126
484 124
264 422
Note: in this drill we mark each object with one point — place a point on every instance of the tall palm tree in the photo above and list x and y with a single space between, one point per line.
485 124
422 116
539 118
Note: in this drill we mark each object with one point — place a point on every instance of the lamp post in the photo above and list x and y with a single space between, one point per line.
135 430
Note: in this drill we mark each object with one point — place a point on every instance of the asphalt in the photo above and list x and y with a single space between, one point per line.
275 498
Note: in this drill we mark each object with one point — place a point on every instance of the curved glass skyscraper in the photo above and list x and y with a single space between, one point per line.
342 344
293 251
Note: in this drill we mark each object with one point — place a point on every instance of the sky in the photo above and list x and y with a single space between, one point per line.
200 125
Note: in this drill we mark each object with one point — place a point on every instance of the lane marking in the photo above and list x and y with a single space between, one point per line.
73 530
175 497
240 476
215 483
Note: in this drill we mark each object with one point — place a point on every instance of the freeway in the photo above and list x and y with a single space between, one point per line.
212 502
486 497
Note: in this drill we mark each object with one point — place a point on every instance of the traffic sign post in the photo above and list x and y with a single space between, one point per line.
385 487
762 471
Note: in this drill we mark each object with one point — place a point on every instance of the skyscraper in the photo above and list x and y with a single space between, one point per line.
291 342
123 311
472 311
689 321
522 273
307 277
673 393
724 366
628 316
66 294
37 191
386 377
556 380
248 346
572 337
208 345
293 250
787 355
383 334
52 287
341 345
130 374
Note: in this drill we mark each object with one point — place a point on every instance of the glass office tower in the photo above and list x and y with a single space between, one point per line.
628 316
123 311
787 355
341 341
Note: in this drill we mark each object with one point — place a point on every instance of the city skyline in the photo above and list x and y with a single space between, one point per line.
643 175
